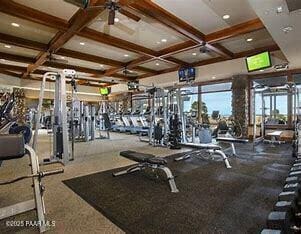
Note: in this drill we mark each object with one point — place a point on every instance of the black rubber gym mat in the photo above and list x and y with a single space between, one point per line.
212 199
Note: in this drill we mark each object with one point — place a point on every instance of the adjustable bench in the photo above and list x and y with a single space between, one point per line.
147 161
212 149
231 141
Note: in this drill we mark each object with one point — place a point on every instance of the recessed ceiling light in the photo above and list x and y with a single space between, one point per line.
164 40
279 10
126 55
116 20
226 16
249 39
158 42
62 57
213 77
157 64
82 43
101 65
7 46
262 70
15 25
287 29
194 54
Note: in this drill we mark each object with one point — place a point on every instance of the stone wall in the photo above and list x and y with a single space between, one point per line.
240 102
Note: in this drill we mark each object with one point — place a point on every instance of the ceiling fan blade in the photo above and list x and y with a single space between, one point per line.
111 18
129 15
124 28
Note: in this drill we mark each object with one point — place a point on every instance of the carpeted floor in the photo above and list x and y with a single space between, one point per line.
212 199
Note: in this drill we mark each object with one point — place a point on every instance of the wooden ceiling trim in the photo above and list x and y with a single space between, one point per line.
236 30
10 73
270 48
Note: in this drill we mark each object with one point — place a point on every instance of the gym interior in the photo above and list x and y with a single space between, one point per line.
150 116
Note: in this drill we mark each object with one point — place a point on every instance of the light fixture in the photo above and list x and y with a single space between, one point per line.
249 39
262 70
164 40
101 65
194 54
7 46
279 10
158 42
157 64
213 77
287 29
15 25
126 55
62 57
226 16
116 20
82 43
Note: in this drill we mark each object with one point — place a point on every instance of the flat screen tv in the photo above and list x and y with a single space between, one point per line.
258 61
105 91
133 85
186 74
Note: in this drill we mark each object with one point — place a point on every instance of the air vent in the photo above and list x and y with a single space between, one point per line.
293 5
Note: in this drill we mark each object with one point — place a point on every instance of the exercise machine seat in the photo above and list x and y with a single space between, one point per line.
12 146
143 158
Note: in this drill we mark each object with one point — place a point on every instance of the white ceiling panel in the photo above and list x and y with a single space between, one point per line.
146 32
194 55
157 65
206 15
259 38
99 49
27 29
57 8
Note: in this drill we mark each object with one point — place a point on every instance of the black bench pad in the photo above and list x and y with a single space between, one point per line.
12 146
141 157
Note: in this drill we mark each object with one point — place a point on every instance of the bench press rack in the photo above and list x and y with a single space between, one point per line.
19 150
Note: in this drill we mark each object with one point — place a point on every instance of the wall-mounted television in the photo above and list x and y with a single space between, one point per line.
259 61
105 91
186 74
133 85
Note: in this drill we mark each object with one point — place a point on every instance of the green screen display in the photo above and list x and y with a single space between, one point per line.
104 91
258 61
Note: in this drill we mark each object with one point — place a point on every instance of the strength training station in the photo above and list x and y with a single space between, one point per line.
150 116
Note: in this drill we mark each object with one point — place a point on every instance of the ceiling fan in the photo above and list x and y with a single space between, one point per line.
51 58
112 6
129 73
204 49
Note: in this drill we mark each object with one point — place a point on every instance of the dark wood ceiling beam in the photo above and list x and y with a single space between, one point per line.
10 73
16 58
17 41
236 30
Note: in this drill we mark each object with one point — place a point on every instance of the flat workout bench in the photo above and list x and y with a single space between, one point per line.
147 161
231 141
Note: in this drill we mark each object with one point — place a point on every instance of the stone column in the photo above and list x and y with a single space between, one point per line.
240 102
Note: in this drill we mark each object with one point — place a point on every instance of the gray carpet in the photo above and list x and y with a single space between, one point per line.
212 199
